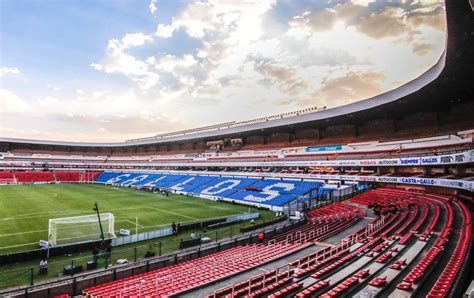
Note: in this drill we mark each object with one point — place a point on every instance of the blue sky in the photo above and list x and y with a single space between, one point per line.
113 70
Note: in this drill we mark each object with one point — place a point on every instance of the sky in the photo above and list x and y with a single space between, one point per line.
111 70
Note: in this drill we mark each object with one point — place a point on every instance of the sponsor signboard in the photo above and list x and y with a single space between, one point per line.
368 162
410 161
124 232
43 244
347 162
388 162
323 148
430 160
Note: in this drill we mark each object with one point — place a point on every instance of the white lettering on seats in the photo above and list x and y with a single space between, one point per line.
270 192
178 186
153 182
218 188
118 178
135 179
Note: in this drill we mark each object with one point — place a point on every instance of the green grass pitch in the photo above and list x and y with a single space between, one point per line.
26 209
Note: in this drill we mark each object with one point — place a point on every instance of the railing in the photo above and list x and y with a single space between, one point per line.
229 124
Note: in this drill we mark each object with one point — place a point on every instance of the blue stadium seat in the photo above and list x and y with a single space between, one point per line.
251 190
105 176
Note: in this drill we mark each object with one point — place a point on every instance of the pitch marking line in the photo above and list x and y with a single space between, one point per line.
132 222
48 213
170 212
21 233
197 204
188 221
18 245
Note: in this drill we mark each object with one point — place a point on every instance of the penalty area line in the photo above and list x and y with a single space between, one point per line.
133 223
170 212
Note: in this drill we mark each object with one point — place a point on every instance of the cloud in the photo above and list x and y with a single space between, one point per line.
363 2
47 100
56 89
134 40
152 6
376 21
399 20
8 70
423 48
117 60
115 124
173 64
200 19
164 31
384 23
325 19
285 78
12 103
349 88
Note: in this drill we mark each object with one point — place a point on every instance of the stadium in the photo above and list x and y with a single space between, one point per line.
373 198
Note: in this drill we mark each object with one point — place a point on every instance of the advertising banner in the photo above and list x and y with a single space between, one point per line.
323 148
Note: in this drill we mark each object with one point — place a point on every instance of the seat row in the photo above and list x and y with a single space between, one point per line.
308 292
196 272
47 176
269 288
341 288
346 259
446 280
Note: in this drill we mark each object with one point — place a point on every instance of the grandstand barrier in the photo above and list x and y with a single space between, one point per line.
168 231
74 285
53 251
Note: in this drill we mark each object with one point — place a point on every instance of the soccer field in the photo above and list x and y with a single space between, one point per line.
26 209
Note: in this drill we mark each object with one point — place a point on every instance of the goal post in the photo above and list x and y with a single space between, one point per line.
70 230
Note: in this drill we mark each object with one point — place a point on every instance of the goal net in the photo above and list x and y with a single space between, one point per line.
68 230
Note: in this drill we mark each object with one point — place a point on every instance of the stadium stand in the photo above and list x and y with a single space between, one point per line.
217 266
361 150
249 190
383 248
12 177
173 279
32 177
67 176
7 177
